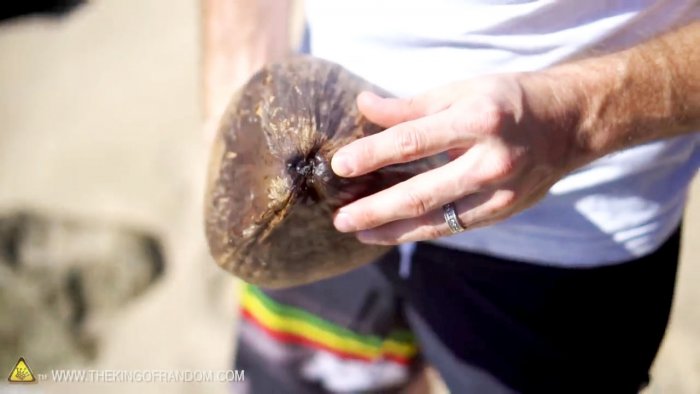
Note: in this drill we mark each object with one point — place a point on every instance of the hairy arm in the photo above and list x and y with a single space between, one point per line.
512 136
648 92
239 37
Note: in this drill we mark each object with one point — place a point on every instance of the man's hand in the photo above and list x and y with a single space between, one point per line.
505 156
512 136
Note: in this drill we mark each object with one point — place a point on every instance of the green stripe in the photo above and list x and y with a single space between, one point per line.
402 336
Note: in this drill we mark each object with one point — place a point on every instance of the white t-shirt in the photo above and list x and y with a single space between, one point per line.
620 207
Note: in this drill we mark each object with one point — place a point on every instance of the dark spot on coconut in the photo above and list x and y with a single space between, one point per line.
308 173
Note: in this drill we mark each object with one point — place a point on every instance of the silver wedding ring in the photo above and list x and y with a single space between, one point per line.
450 213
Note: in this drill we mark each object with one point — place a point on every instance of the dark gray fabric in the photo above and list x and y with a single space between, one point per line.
541 329
494 326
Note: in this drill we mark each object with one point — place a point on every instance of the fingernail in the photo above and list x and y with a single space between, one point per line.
343 222
341 165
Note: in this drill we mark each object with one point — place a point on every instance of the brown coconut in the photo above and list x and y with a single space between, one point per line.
271 193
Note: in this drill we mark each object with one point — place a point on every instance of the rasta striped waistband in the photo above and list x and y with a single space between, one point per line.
290 324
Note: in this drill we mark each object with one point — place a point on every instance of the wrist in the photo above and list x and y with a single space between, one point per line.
557 104
600 104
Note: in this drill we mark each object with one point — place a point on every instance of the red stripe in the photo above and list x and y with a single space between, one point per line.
301 340
395 358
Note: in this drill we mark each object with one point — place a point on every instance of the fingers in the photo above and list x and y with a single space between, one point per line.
412 198
402 143
387 112
482 167
475 210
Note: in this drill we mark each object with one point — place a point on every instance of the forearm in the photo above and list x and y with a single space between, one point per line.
239 36
648 92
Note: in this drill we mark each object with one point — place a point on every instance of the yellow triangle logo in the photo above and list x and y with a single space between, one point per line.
21 373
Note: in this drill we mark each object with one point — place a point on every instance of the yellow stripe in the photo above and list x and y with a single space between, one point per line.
307 330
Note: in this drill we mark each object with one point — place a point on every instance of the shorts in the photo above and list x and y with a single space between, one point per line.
487 325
